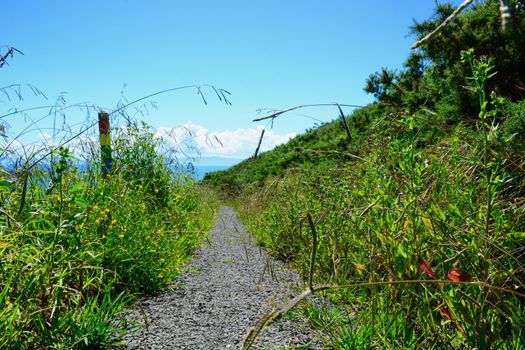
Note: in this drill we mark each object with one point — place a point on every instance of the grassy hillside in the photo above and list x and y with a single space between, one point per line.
422 214
323 148
414 200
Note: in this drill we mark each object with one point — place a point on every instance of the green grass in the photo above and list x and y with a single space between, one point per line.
424 201
324 146
73 255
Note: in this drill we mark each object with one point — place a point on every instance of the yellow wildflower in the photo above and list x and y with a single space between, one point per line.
359 266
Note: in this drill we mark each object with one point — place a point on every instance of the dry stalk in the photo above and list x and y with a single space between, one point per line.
279 112
342 115
259 144
442 25
313 252
277 313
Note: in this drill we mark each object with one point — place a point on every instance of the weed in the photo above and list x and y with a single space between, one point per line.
77 248
421 237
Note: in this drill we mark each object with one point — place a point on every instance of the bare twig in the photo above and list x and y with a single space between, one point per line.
9 53
279 112
370 206
279 312
313 252
442 25
345 124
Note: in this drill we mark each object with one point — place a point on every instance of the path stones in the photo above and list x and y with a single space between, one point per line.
227 289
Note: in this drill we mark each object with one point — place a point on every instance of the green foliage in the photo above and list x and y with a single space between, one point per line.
423 200
514 126
139 163
323 147
377 220
433 77
384 86
82 247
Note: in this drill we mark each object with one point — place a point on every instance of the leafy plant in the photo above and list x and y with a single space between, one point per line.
419 239
77 248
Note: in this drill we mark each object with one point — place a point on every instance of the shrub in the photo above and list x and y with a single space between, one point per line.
74 251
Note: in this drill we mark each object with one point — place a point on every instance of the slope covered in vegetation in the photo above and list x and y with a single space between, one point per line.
422 214
323 147
76 248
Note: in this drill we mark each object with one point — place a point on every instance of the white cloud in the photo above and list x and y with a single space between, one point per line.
239 143
191 139
43 143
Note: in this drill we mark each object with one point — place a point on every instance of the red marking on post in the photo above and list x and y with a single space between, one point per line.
103 126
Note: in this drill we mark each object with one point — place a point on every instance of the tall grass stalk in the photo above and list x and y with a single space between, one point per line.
77 249
422 241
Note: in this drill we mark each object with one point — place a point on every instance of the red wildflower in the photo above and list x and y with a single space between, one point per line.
448 314
425 266
446 311
458 275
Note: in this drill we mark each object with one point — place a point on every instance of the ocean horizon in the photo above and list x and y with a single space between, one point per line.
196 170
202 170
200 167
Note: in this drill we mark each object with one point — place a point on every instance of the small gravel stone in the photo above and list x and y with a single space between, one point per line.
230 284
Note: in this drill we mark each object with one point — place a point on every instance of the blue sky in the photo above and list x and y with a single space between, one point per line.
268 54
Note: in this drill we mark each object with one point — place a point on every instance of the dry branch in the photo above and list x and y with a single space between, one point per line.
275 314
279 112
442 25
313 252
9 53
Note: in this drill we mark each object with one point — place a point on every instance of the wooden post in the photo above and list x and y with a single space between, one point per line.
105 143
259 145
348 134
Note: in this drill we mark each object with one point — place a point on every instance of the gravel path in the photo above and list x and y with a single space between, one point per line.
230 284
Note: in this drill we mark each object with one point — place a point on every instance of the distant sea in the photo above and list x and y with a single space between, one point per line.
202 170
206 165
198 174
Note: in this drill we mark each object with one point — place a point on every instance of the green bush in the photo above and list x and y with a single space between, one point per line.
76 251
514 126
433 77
406 215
